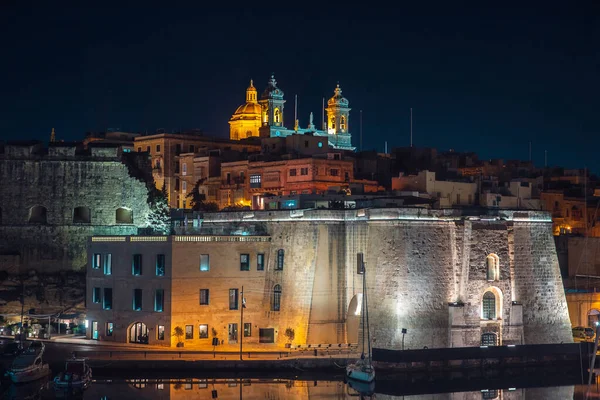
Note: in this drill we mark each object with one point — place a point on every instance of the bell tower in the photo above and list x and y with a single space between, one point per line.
337 113
272 103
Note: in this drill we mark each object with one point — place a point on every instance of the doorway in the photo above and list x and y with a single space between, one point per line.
138 333
95 330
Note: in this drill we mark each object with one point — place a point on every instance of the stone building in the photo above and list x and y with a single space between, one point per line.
450 279
449 193
51 200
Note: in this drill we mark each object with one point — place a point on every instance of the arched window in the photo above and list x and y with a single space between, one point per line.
489 305
81 215
276 304
342 122
277 116
248 133
124 216
236 135
493 267
37 215
333 122
279 266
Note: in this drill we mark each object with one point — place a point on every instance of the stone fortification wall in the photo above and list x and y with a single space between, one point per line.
427 272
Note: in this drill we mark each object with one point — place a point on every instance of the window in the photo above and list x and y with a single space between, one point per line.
203 331
137 299
247 329
266 335
96 295
158 148
108 264
189 332
457 198
303 171
178 148
160 332
233 299
306 143
191 148
184 169
260 262
346 176
489 394
96 260
81 215
255 181
176 184
159 300
110 327
279 266
136 265
360 263
332 122
334 172
37 215
493 268
107 299
160 265
184 186
489 339
123 216
244 262
489 306
342 122
204 297
139 149
204 262
277 116
293 172
148 149
320 144
276 304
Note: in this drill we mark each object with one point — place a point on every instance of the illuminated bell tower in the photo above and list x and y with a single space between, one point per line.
272 103
337 113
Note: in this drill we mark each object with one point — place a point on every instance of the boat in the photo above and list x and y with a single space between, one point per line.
77 376
29 365
362 370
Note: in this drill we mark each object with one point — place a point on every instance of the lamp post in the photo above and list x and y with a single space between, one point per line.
403 333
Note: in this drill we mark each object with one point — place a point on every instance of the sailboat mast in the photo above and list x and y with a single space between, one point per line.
363 309
367 313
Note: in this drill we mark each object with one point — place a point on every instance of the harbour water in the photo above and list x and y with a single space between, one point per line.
275 389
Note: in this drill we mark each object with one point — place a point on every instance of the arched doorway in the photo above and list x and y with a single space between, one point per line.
353 318
593 318
138 333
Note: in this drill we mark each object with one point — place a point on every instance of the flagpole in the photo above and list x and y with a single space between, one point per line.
241 331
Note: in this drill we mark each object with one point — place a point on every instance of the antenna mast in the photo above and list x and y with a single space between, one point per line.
361 145
411 137
295 109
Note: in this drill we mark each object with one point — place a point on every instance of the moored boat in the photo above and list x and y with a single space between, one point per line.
77 376
29 365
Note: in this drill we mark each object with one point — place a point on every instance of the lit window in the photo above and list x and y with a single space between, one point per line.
489 306
277 116
244 262
184 186
159 300
255 181
189 332
233 299
184 169
160 332
276 304
110 327
108 264
96 295
160 265
96 260
204 262
203 331
260 262
493 267
136 265
247 329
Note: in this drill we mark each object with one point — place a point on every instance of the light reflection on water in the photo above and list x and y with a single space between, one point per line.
274 389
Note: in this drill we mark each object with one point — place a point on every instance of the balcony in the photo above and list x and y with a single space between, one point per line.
235 181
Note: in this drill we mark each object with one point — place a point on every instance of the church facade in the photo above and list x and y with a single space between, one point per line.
264 117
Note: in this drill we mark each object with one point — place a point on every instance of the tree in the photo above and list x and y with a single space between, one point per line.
198 200
178 332
159 217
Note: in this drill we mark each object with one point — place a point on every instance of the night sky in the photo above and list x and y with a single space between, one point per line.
484 80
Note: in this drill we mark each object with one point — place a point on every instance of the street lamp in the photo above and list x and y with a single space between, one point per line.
403 333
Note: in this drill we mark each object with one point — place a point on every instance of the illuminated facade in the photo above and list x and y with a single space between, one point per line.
451 280
265 118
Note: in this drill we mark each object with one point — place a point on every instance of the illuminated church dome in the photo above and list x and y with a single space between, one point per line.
245 121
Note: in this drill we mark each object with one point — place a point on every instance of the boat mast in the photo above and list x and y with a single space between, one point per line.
364 299
367 312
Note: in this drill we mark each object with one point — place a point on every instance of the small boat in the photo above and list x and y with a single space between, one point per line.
29 365
77 376
362 370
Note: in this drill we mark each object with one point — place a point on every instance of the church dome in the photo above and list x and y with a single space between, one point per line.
251 108
338 99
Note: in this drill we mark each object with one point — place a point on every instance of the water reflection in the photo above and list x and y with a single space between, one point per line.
275 389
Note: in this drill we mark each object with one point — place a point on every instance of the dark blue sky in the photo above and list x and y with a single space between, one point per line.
486 80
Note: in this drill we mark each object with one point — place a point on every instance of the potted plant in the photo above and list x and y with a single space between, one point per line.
289 334
178 332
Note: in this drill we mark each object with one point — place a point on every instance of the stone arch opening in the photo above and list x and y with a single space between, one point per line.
491 304
37 215
493 267
593 318
124 216
353 318
137 333
81 215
